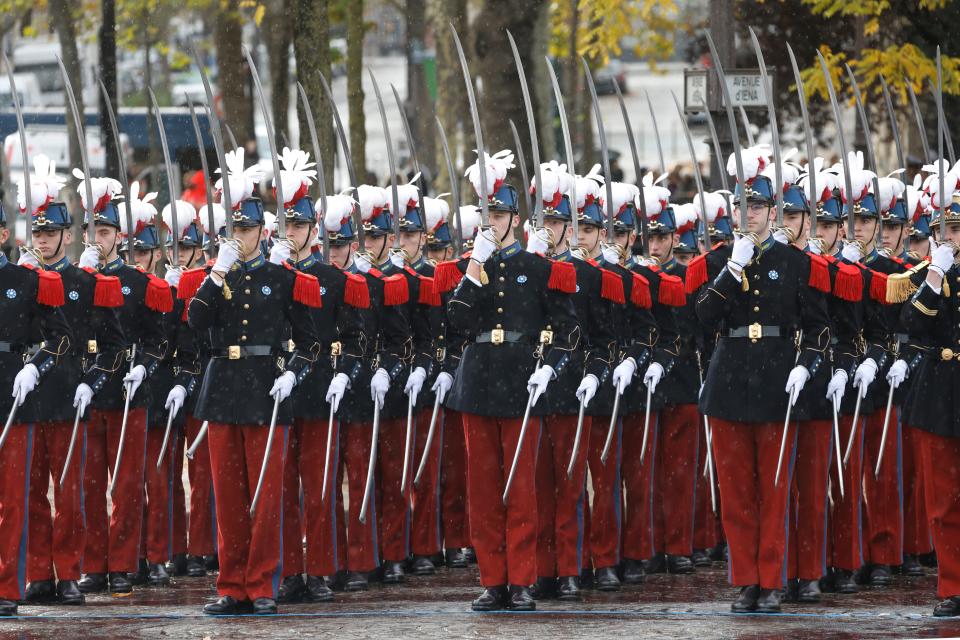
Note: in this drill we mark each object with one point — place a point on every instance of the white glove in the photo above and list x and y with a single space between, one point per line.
414 383
742 252
538 241
898 372
25 382
864 375
442 385
623 374
836 386
283 386
396 259
90 258
227 257
82 397
362 260
279 252
172 276
538 381
851 252
484 246
653 375
814 247
780 235
338 386
941 258
27 258
795 381
587 389
135 378
175 400
379 385
611 255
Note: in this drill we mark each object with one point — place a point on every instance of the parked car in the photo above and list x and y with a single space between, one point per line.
610 76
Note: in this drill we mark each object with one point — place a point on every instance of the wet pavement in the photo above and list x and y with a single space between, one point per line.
665 606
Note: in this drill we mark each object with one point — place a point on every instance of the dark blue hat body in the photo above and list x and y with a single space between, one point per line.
829 210
688 242
412 221
795 200
250 213
504 199
110 216
344 236
866 208
191 237
897 214
440 237
52 218
760 189
301 211
626 218
380 225
560 212
591 215
3 216
921 227
147 238
663 224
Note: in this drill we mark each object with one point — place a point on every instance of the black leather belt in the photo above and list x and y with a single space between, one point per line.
754 331
500 336
235 352
10 347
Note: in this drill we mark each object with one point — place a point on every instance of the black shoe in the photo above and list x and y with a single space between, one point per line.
700 558
470 554
720 553
227 606
69 594
568 589
40 592
656 564
196 567
356 581
264 607
492 599
928 559
768 601
808 591
880 575
291 589
520 599
947 608
120 583
862 575
845 582
177 566
393 573
8 608
746 602
633 572
605 579
545 588
456 559
789 593
680 565
422 566
586 578
93 583
911 567
317 590
212 562
141 575
158 576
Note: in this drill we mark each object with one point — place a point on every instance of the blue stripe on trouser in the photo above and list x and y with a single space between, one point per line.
24 533
278 572
786 515
655 440
618 488
900 477
332 493
580 527
170 482
826 504
437 491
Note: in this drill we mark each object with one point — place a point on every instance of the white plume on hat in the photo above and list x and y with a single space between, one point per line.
104 190
242 181
186 214
270 222
555 180
622 194
435 212
142 210
496 167
951 180
372 200
826 181
408 195
655 196
789 171
339 209
916 199
685 214
716 205
45 184
590 187
755 159
890 189
470 219
860 178
296 174
219 218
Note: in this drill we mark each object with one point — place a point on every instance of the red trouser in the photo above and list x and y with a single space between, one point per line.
159 510
940 457
456 522
304 470
916 530
706 525
114 548
363 547
504 536
58 542
675 480
807 555
606 514
394 506
178 532
638 542
425 530
250 548
561 499
846 527
884 501
202 540
754 509
15 458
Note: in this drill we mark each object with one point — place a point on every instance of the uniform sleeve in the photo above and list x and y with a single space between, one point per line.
202 312
424 329
876 326
304 334
350 335
111 342
461 309
57 336
716 300
815 321
919 314
395 338
559 311
186 361
599 334
154 341
642 329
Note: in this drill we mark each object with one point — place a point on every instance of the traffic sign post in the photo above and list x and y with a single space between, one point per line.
702 93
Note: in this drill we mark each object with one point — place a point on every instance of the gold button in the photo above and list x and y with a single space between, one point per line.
500 294
502 265
753 340
756 308
499 309
246 305
499 326
756 277
243 338
502 278
246 277
246 291
755 292
244 321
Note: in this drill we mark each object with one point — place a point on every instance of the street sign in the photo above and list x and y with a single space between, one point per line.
701 93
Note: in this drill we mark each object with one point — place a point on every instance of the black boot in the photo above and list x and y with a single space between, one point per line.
720 553
605 579
746 602
158 576
422 566
679 564
196 567
456 558
393 573
911 567
948 608
545 588
356 581
844 581
40 592
93 583
141 575
808 591
227 606
880 575
177 565
291 589
586 578
700 558
789 593
768 601
568 589
317 590
264 607
212 562
470 554
633 572
520 599
491 599
656 564
69 594
8 608
120 582
929 559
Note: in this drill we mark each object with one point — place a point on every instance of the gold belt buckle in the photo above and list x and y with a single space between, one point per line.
233 352
947 354
441 354
755 331
291 347
546 337
336 348
496 336
91 346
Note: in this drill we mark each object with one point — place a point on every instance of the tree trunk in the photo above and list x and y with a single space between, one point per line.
451 106
233 77
358 123
419 105
108 73
62 20
277 31
311 44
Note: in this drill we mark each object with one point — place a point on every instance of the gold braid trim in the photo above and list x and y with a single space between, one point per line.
900 286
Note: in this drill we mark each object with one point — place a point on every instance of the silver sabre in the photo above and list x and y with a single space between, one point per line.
611 429
454 185
853 427
73 444
266 453
576 440
537 213
836 441
217 134
886 425
430 433
646 425
192 451
774 129
128 387
166 438
317 157
371 467
477 130
516 452
326 456
568 154
23 143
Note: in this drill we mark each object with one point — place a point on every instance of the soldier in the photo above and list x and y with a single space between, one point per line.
249 307
56 544
515 305
114 548
758 303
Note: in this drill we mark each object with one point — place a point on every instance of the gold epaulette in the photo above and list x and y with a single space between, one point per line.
900 286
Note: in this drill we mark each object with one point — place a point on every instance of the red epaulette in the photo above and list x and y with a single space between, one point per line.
819 273
158 298
696 273
878 286
428 292
640 292
563 277
190 281
848 282
396 291
671 290
446 276
107 291
355 292
49 287
611 287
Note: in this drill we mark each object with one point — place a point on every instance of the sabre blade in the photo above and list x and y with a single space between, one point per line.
227 200
568 150
205 167
84 161
430 433
394 198
171 187
317 156
347 159
537 213
868 144
266 456
838 120
454 185
477 131
808 141
894 125
774 129
22 129
642 230
523 170
604 150
921 129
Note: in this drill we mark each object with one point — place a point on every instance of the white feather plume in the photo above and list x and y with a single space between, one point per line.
755 160
826 181
890 189
142 210
219 218
296 174
951 181
372 200
860 178
408 195
186 214
104 190
435 212
242 181
590 187
339 209
655 196
496 167
685 216
470 219
622 194
45 184
716 205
